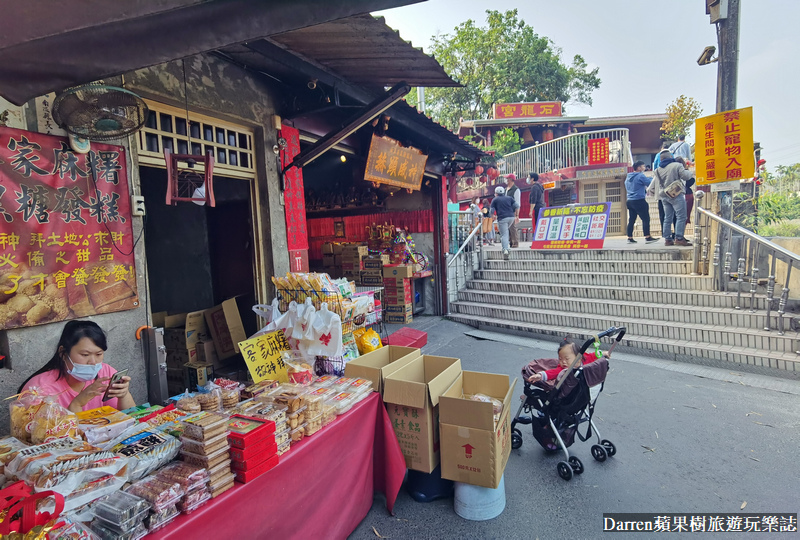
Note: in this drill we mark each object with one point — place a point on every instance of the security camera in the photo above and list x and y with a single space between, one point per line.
706 56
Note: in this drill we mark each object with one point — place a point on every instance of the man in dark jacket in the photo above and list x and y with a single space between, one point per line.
536 198
635 184
669 185
507 210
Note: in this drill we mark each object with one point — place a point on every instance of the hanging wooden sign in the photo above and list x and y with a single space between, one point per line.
391 164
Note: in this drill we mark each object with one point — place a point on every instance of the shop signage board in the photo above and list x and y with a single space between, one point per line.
391 164
724 148
262 354
527 110
598 151
606 172
580 226
66 242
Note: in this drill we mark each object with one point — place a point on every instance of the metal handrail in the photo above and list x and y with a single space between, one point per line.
752 250
559 153
468 239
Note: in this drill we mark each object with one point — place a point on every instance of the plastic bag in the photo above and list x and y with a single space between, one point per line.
22 411
368 341
298 368
52 421
149 448
497 405
327 334
269 313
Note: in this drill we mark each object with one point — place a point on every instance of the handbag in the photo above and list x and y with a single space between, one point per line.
674 189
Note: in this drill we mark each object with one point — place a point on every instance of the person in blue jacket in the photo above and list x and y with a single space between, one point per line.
636 185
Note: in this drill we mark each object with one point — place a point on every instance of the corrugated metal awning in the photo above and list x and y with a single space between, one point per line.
48 46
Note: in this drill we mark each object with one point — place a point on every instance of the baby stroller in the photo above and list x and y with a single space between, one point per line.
556 414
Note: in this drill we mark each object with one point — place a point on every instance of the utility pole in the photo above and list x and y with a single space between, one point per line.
727 79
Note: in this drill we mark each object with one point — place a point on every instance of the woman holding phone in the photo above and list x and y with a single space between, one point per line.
77 375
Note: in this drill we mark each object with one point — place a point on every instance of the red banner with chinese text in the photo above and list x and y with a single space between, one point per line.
294 194
66 242
527 110
598 151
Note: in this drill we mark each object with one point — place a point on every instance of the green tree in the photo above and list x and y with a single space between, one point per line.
681 115
505 61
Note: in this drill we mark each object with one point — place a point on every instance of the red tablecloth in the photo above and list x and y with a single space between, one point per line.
322 488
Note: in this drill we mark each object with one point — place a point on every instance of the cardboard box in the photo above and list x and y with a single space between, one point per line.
226 327
474 449
351 266
391 299
398 271
398 309
176 358
355 250
394 318
207 353
370 279
198 374
375 262
327 249
337 249
379 364
412 396
329 260
337 260
158 319
185 330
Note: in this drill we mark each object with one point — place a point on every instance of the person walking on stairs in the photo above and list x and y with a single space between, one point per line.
669 186
507 211
513 191
636 183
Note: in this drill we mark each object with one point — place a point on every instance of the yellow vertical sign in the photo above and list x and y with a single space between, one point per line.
262 354
724 148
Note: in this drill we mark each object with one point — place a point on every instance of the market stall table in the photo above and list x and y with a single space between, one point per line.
322 488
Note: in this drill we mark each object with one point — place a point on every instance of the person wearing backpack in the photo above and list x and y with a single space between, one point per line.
669 186
681 148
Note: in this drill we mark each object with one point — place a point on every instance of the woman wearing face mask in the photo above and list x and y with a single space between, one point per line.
76 373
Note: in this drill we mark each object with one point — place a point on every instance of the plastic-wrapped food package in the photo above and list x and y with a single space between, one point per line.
283 436
190 477
188 405
313 424
207 447
91 490
219 471
360 386
325 381
297 435
52 421
497 405
296 418
22 411
150 450
315 397
194 500
159 519
230 398
160 494
103 424
72 531
121 511
343 401
209 461
204 425
103 532
283 448
8 448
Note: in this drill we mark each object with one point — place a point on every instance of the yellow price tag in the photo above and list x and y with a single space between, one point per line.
262 354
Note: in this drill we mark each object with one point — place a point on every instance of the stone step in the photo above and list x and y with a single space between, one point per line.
673 314
656 296
607 266
666 254
670 348
617 280
711 334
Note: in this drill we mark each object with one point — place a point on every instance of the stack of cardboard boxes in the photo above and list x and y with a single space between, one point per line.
372 274
352 261
398 298
435 422
199 343
329 259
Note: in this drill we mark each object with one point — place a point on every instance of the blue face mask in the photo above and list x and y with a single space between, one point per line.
84 372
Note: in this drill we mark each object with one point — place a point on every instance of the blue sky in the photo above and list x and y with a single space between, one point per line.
647 53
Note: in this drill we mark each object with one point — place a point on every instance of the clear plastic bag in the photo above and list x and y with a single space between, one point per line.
22 411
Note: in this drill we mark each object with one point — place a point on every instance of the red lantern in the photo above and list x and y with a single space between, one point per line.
470 181
478 170
484 179
461 173
492 172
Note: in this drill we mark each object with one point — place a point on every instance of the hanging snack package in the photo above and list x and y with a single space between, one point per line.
298 371
9 446
22 411
52 421
368 342
149 449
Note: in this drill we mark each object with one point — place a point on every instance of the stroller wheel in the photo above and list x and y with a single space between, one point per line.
577 465
516 439
609 446
599 453
564 470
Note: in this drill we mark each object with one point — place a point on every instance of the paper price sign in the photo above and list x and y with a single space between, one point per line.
581 226
262 354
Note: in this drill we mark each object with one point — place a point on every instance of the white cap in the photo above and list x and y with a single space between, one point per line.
499 190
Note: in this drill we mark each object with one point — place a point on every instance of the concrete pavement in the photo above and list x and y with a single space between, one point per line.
688 438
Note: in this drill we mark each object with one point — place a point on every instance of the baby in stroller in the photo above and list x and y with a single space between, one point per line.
560 395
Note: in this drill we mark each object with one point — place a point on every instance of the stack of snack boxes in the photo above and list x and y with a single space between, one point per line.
352 257
253 447
205 444
329 258
372 273
398 301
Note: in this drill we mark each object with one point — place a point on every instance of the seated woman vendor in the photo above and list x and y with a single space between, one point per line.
76 373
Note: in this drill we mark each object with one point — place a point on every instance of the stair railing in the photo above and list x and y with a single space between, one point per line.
462 265
569 151
756 254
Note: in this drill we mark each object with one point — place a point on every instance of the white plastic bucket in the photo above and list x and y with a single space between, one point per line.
477 503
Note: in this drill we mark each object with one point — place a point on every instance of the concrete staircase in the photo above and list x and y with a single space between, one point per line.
668 313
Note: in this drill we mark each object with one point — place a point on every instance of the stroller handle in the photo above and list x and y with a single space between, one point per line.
611 332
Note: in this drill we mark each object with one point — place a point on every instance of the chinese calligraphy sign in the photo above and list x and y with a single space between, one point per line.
724 148
294 193
598 151
394 165
581 226
527 110
262 354
66 242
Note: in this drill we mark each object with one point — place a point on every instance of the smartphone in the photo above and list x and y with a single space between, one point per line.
114 379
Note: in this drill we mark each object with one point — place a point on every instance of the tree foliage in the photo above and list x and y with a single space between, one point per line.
681 115
777 209
504 61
